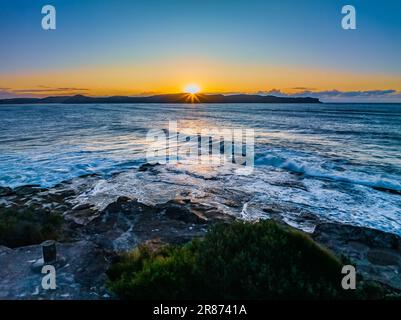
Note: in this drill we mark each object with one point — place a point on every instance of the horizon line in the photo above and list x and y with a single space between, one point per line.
194 95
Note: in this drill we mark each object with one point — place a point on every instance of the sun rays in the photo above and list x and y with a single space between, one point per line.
191 91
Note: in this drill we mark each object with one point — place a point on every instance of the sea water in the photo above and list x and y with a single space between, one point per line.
340 162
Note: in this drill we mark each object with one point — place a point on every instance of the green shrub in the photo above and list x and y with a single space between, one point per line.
146 274
238 261
27 226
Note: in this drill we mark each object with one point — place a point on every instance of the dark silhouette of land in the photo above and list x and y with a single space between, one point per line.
164 98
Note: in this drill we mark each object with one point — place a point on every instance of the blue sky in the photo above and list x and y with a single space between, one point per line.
303 35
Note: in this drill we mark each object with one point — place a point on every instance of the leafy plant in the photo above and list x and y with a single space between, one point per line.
27 226
238 261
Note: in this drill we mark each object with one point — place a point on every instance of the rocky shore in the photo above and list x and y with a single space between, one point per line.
90 237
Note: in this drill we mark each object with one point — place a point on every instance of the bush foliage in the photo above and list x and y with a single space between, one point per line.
27 226
261 260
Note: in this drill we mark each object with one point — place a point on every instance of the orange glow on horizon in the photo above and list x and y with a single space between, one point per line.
173 75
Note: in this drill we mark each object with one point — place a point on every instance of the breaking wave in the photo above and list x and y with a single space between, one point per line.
316 171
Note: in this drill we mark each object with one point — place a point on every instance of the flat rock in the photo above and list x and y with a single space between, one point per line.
5 191
81 276
376 254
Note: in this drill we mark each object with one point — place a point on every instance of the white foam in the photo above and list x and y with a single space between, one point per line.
314 169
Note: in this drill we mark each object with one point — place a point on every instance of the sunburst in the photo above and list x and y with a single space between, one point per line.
192 90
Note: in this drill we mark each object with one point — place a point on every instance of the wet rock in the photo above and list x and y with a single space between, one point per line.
127 222
95 235
64 193
181 213
388 190
123 204
5 191
147 167
271 210
295 217
82 217
27 190
384 257
209 213
4 250
377 254
370 237
84 206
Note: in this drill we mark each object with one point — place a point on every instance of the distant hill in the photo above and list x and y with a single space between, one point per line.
164 98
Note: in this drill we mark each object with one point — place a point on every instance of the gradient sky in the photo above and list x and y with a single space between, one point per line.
140 47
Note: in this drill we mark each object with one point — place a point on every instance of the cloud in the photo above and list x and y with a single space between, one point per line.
48 90
334 95
273 92
6 93
303 88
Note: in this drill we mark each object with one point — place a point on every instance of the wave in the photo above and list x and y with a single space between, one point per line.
307 169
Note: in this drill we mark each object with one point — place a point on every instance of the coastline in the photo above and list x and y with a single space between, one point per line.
90 238
176 98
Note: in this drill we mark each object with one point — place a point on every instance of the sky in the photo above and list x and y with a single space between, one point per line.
134 47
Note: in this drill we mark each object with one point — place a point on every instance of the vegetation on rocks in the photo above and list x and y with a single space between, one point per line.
27 226
237 261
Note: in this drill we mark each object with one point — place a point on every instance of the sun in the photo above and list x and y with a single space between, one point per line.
192 88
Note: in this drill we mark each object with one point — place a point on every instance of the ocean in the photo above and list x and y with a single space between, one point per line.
338 162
